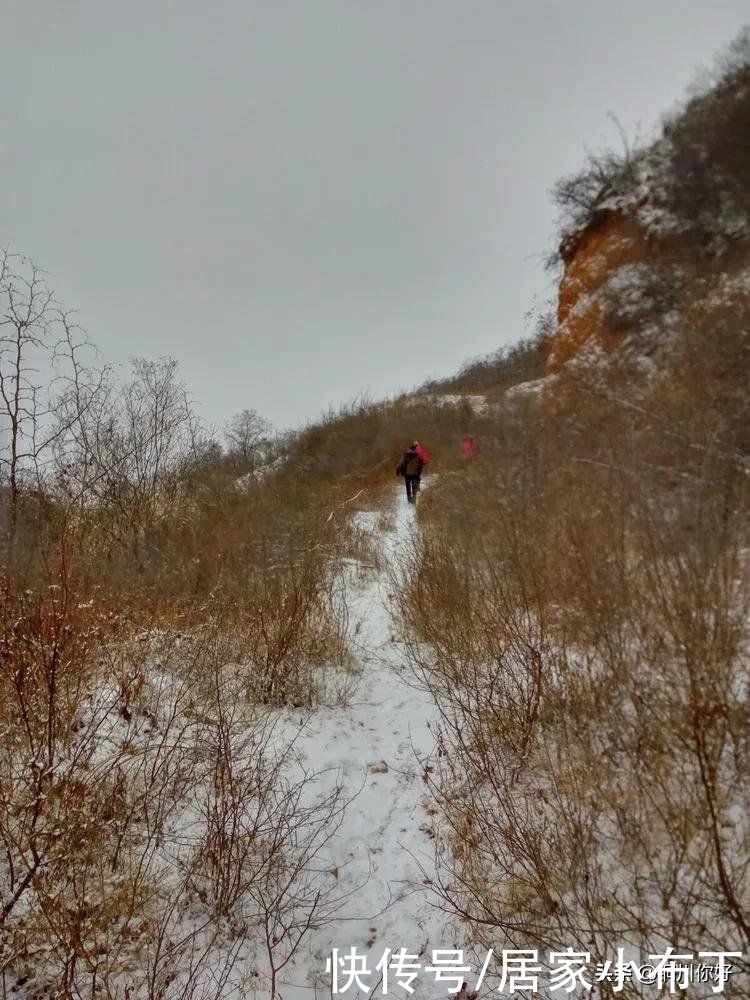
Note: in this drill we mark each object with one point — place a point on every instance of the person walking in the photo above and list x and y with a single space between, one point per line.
468 446
410 467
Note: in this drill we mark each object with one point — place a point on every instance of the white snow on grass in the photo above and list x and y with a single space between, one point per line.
376 859
533 388
477 402
382 853
260 473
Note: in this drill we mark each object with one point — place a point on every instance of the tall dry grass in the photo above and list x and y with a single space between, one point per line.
150 823
577 603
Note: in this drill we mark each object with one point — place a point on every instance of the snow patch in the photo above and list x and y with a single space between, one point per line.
258 475
475 401
382 855
534 388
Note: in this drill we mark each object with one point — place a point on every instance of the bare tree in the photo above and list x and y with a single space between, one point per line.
129 450
42 371
247 433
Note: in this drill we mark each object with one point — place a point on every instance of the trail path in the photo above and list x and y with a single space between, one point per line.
382 845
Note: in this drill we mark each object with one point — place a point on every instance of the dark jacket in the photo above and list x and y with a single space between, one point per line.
411 464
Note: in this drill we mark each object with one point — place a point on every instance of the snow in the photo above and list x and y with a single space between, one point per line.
476 401
374 861
259 474
381 853
533 388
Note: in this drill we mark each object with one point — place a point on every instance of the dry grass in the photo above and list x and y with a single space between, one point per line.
149 823
578 607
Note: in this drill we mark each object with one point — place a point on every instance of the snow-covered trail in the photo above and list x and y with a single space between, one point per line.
382 849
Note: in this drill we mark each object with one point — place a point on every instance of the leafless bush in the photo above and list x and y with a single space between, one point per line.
44 364
606 175
154 827
126 455
581 619
710 154
248 435
519 362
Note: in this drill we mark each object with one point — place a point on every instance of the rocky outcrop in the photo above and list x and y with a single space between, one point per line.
591 258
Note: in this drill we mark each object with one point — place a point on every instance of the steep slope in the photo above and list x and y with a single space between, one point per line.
649 235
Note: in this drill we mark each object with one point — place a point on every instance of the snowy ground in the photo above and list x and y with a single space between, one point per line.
378 863
381 853
477 402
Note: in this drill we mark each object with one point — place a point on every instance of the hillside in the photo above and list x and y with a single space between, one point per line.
585 586
656 241
654 263
256 711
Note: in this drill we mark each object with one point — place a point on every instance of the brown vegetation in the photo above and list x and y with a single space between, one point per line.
578 606
578 601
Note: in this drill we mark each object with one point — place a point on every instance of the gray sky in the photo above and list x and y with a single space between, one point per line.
304 201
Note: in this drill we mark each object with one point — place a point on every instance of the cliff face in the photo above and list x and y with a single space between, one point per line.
592 258
651 233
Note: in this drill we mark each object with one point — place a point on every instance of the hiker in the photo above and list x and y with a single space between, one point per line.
410 467
464 994
468 447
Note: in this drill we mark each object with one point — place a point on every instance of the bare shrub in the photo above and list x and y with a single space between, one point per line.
710 154
248 435
44 364
153 826
125 457
581 620
605 177
523 361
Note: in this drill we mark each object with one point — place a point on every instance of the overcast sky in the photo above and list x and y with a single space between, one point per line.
304 201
